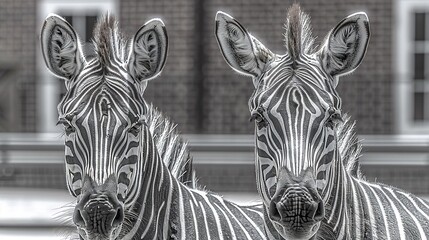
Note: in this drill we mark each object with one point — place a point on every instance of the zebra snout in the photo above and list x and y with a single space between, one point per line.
99 215
296 212
296 205
296 201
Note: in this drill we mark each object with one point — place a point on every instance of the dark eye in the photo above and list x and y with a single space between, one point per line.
68 128
135 128
259 119
334 118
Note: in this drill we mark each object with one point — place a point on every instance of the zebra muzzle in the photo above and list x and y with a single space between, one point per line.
99 216
296 206
99 211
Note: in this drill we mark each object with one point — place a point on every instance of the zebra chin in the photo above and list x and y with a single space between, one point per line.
99 214
94 236
304 233
296 209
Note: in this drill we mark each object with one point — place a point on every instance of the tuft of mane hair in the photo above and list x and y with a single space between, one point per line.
108 41
171 147
297 37
350 147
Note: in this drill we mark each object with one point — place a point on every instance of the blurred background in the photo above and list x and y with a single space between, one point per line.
388 95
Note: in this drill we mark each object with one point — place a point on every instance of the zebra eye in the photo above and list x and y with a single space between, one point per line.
135 128
334 118
68 128
259 119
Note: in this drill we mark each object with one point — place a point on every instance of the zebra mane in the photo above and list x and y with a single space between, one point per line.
297 37
349 146
171 147
108 41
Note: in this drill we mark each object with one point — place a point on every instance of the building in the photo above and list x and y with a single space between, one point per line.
197 88
387 95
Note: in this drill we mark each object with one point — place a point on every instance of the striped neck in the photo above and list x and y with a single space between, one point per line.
334 196
153 206
167 209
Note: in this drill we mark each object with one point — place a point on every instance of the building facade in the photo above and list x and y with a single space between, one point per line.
386 95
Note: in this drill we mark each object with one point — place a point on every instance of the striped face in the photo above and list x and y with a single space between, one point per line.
103 113
296 108
295 111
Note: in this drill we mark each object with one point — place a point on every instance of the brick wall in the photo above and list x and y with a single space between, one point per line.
197 88
17 48
366 93
174 92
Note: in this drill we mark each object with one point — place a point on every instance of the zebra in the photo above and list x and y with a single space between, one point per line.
127 167
307 168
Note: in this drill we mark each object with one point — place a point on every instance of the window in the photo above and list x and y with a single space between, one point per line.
84 24
412 66
82 15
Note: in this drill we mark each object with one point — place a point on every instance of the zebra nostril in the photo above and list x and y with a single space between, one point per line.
78 219
119 217
274 212
320 212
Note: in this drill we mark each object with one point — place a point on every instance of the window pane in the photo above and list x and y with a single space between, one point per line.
418 106
419 33
90 24
419 66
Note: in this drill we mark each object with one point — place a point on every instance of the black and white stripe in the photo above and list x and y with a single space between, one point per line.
299 125
173 210
111 131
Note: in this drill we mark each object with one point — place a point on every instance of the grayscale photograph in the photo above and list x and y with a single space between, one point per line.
214 120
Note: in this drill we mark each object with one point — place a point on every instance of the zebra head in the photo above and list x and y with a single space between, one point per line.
296 109
103 112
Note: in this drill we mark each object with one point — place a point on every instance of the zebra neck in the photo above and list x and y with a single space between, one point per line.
167 209
334 225
153 206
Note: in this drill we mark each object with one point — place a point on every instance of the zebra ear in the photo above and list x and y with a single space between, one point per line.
148 51
243 53
61 48
346 45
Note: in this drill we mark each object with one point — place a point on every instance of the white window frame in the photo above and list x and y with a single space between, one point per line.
403 39
48 87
